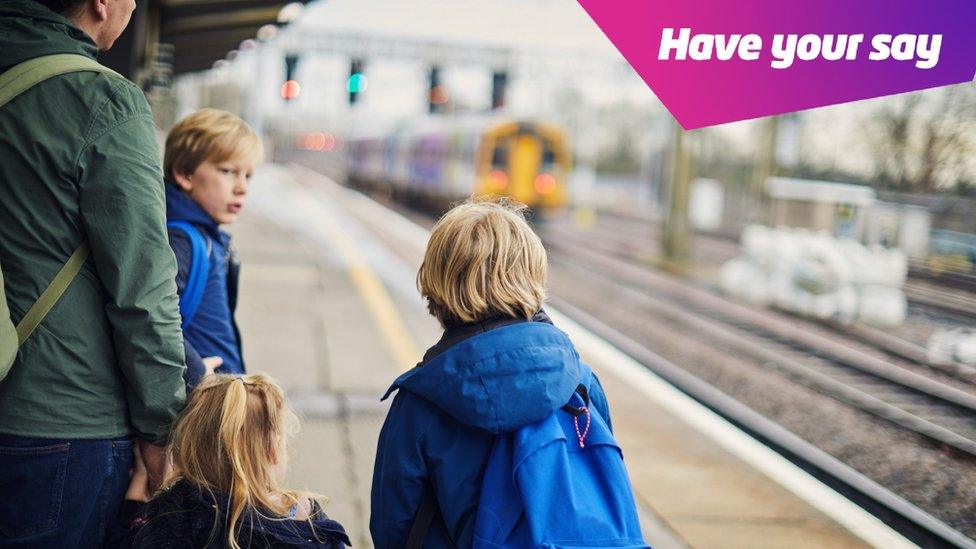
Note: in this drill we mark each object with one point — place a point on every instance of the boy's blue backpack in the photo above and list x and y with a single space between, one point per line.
196 281
558 483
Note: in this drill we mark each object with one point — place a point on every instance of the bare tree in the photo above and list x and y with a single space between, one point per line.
925 141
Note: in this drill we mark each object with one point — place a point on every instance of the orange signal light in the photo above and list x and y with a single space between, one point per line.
545 183
439 95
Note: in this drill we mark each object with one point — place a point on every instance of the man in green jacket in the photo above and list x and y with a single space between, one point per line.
79 162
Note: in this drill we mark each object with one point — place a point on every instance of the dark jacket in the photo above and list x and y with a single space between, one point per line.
79 161
185 516
213 331
479 381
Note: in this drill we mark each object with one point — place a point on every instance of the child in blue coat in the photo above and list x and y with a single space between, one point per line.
499 366
210 156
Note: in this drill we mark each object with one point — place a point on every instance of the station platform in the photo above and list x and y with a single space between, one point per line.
328 307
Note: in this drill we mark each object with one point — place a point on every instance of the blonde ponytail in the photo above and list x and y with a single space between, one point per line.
228 439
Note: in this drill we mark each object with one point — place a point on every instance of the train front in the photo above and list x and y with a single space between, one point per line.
527 162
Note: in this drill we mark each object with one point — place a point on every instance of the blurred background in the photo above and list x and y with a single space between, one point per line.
834 247
407 98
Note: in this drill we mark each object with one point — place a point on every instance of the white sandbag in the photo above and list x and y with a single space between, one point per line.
745 280
882 306
755 242
947 346
816 275
939 349
965 349
847 305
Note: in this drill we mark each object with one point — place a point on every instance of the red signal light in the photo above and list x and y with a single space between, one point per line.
439 95
290 90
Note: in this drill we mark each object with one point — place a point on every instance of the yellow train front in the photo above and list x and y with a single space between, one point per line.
527 162
436 162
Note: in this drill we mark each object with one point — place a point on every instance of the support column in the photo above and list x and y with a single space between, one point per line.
766 167
676 232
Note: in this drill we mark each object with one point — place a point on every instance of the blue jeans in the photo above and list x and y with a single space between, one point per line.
60 493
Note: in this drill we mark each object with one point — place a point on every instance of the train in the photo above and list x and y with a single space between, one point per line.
438 161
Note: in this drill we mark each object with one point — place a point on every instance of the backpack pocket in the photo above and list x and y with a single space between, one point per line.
559 483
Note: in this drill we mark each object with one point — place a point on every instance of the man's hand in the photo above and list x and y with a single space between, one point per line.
139 482
158 466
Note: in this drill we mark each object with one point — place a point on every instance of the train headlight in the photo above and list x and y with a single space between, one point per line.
545 183
498 180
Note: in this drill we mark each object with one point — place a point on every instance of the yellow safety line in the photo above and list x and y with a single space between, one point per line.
377 298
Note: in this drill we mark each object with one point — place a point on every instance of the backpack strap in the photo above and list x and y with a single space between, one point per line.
13 82
423 519
583 390
426 513
51 294
196 280
577 411
24 76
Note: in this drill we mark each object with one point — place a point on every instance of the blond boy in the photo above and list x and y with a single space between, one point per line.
210 156
499 366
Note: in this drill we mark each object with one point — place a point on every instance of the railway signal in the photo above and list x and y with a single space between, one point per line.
356 84
499 81
437 95
291 88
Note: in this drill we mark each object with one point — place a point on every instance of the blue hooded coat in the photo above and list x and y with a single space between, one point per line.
213 331
479 381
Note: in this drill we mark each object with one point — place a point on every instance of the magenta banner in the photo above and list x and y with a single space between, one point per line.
717 61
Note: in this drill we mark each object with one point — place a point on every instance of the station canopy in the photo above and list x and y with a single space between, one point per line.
203 31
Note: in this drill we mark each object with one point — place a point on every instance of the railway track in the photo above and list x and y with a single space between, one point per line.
905 517
633 242
950 293
941 412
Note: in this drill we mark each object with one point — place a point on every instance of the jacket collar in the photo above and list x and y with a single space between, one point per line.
457 333
180 207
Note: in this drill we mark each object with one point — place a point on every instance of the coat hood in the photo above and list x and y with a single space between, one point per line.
501 379
28 30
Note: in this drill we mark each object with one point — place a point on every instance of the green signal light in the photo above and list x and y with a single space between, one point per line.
356 83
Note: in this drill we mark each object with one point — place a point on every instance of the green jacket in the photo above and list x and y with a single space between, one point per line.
79 160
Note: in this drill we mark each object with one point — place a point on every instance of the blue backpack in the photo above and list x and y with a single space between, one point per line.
196 281
558 483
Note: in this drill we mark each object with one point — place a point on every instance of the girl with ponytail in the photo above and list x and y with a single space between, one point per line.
228 453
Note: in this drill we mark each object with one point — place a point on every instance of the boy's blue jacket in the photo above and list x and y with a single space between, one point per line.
214 331
478 381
